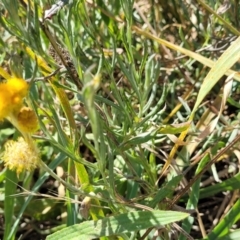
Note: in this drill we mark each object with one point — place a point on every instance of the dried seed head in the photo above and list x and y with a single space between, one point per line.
20 155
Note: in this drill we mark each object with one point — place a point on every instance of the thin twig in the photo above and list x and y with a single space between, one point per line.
208 165
58 51
43 78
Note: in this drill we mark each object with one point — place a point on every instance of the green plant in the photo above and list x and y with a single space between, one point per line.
104 86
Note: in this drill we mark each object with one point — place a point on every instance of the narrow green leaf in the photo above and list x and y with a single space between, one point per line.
193 198
223 228
174 128
166 191
221 66
35 188
231 236
10 189
227 185
140 138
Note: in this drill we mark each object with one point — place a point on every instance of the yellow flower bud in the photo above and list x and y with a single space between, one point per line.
27 120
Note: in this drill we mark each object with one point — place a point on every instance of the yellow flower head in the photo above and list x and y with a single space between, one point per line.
27 120
20 155
12 93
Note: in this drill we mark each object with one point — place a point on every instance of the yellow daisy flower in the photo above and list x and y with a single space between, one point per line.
13 90
12 93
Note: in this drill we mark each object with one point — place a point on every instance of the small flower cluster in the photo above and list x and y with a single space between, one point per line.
21 154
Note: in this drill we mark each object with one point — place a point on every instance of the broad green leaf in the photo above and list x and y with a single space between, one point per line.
124 223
